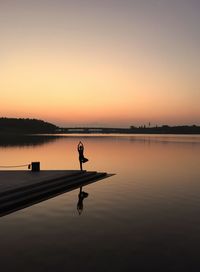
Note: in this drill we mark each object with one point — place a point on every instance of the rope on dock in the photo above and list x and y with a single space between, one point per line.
14 166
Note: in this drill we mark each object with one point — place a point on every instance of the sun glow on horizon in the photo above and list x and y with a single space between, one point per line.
126 73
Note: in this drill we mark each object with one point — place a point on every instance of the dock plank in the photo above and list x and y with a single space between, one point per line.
16 179
19 189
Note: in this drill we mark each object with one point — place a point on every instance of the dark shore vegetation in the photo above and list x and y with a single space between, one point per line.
20 126
25 126
137 130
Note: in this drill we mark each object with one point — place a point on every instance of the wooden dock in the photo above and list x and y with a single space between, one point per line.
20 189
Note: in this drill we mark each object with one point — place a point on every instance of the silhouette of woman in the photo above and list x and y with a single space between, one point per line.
81 197
82 159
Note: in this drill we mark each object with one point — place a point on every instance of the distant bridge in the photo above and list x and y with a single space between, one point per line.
132 130
93 130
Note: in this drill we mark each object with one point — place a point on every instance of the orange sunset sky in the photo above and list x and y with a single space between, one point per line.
112 63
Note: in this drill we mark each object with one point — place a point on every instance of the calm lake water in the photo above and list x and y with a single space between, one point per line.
145 218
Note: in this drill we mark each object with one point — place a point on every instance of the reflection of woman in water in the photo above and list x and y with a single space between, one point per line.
81 197
82 159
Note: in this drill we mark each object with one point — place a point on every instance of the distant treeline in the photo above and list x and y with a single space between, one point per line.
34 126
165 129
136 130
25 126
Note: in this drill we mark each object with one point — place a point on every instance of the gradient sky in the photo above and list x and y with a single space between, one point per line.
101 62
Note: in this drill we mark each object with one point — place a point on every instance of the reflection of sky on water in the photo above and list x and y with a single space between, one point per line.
141 218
